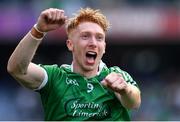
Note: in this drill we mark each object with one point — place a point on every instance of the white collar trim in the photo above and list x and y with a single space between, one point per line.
101 65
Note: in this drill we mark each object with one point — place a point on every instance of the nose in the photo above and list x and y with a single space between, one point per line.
93 42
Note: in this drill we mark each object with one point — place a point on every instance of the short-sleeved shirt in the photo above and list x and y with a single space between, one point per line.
70 96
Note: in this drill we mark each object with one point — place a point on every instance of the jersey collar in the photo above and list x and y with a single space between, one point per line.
101 65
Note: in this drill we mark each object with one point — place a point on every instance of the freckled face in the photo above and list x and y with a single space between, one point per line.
87 43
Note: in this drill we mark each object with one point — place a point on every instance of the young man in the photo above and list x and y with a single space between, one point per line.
85 90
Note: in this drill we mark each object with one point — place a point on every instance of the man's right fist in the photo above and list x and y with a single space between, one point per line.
51 19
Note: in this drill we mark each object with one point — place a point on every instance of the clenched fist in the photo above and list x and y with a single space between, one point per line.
51 19
115 82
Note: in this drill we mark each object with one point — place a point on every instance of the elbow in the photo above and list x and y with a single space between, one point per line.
10 69
14 69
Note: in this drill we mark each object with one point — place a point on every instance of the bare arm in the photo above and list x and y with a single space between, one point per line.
130 98
19 65
129 95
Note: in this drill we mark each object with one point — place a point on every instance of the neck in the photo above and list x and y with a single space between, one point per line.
83 72
87 73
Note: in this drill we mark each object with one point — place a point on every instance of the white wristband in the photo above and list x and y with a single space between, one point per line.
35 26
38 39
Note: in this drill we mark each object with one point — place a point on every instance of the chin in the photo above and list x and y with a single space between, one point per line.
89 68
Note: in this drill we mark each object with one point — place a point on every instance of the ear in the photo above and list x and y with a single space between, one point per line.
69 44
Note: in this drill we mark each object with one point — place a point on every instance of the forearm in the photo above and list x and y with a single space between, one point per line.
131 98
23 54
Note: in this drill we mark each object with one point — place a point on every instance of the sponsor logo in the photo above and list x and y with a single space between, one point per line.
78 108
72 82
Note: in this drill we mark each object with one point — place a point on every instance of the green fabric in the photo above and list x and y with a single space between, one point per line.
70 96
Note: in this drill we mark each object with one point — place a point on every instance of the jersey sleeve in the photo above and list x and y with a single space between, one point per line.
50 74
125 75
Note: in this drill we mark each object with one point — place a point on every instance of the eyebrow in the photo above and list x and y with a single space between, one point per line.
90 32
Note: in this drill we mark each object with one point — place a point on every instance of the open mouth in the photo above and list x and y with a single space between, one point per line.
91 56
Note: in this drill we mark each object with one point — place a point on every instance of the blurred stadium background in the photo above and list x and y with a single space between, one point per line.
144 40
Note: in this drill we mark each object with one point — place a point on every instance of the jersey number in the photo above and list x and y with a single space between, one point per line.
90 87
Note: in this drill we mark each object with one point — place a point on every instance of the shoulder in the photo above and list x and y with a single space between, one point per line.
54 74
54 70
125 74
117 70
56 67
49 66
112 69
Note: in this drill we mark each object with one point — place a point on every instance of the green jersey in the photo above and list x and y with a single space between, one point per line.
70 96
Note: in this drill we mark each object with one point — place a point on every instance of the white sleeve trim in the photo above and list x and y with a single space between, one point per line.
101 66
44 82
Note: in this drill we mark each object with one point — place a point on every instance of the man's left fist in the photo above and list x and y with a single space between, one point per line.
116 82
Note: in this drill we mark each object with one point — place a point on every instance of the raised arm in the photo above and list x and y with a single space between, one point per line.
19 65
